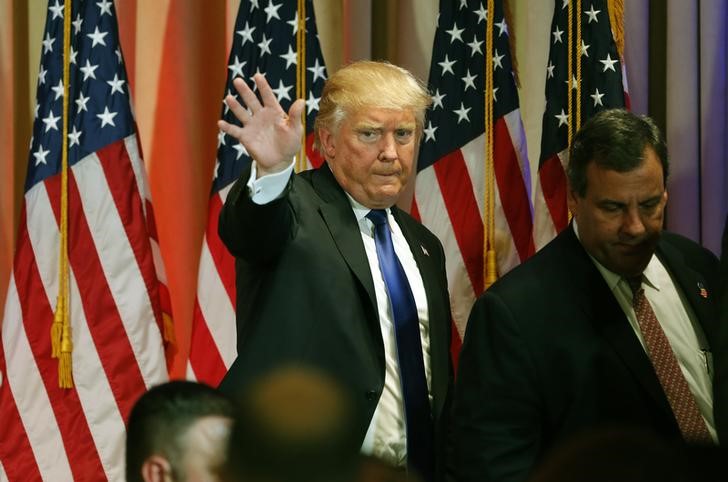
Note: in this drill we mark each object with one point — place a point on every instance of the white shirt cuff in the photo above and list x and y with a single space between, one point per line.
268 187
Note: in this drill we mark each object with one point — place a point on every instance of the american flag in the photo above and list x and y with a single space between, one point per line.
603 86
264 41
115 276
450 187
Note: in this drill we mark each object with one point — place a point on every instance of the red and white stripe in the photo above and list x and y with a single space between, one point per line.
450 198
116 314
551 211
213 343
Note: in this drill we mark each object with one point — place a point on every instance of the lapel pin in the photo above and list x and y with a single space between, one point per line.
424 251
701 290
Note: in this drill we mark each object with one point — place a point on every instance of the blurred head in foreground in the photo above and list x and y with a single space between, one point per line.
293 425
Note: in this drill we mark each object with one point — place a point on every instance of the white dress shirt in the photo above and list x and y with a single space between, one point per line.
386 437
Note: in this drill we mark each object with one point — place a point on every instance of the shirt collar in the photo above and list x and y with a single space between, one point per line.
360 210
649 275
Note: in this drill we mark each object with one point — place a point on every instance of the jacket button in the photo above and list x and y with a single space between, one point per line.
371 395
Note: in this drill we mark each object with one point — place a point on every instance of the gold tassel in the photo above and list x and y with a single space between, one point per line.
65 371
616 19
56 328
491 270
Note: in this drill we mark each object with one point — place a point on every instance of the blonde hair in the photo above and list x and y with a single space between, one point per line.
370 83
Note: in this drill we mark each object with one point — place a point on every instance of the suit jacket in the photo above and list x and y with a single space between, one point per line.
305 293
720 354
548 352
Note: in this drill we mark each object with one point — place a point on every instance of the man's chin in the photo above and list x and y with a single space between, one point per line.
387 195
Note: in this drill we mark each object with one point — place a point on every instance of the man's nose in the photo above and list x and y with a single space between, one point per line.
632 223
388 148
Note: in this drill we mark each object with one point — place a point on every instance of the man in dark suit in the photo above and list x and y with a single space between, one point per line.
562 345
330 273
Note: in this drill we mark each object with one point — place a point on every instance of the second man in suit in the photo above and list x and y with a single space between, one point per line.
330 273
610 324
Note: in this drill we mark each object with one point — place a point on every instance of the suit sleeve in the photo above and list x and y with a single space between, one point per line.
496 411
254 232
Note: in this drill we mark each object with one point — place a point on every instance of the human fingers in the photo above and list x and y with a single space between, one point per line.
246 94
240 112
266 93
230 129
295 112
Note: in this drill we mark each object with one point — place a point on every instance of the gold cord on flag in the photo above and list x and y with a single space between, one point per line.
61 342
301 78
490 272
573 53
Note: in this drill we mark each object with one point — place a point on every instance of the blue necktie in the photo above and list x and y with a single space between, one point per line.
409 351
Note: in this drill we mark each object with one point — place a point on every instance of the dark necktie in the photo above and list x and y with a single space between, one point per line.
409 350
684 407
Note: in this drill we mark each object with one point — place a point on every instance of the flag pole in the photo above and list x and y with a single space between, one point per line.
577 47
301 78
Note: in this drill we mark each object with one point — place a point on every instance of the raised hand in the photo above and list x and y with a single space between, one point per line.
270 136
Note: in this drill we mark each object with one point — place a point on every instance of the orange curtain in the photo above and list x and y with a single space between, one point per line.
176 60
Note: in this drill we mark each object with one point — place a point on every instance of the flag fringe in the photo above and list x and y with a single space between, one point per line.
616 19
57 327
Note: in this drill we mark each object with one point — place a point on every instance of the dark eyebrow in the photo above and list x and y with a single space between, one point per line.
651 200
610 203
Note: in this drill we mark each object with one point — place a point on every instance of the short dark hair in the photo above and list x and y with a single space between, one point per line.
161 417
614 139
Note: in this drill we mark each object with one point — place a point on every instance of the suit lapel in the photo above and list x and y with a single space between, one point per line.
339 218
609 319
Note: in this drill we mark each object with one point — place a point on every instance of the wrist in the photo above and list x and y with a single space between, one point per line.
268 170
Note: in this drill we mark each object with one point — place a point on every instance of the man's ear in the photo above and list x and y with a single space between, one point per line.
156 469
572 199
328 146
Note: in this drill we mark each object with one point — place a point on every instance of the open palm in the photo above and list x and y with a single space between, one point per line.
270 136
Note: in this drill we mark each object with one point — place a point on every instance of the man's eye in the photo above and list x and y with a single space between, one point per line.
367 135
404 135
611 208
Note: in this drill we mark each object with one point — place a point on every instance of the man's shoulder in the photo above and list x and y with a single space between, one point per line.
676 250
686 246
